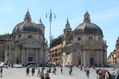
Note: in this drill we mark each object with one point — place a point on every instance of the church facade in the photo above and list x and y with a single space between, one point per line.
27 43
82 46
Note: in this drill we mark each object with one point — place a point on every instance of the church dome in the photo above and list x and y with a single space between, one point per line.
87 27
27 25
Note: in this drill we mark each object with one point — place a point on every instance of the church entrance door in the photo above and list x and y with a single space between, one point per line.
79 62
30 59
91 61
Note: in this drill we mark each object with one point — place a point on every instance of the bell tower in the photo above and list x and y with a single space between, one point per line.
68 33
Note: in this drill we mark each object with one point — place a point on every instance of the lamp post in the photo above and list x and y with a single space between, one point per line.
50 17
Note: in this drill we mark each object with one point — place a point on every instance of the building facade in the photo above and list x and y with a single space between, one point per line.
56 50
113 58
117 51
84 45
27 43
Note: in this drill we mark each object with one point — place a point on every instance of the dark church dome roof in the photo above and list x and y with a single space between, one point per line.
27 25
87 27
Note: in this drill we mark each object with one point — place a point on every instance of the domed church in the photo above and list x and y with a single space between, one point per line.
82 46
27 43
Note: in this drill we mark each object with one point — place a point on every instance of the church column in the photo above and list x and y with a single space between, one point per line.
81 57
88 56
36 51
101 57
84 57
98 55
23 56
27 51
39 56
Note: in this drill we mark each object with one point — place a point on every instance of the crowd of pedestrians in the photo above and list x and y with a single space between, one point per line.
105 74
40 73
101 73
44 72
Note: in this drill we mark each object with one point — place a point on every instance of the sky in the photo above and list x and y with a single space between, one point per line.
104 13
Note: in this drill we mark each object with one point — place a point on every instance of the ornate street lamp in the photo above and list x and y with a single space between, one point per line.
50 16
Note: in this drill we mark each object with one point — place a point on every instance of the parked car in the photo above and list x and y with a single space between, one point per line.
30 64
17 65
5 65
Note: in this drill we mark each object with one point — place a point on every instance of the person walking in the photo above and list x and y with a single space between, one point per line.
117 75
49 69
42 74
61 70
87 73
70 70
33 71
1 71
107 75
38 74
27 71
47 75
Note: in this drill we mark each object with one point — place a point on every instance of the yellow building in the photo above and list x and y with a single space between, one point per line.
56 50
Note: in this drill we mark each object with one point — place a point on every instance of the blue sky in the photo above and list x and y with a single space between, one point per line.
104 13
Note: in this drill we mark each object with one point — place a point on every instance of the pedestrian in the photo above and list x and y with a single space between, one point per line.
38 74
42 74
55 70
27 71
61 70
49 69
47 75
117 75
107 75
1 71
87 73
81 68
101 75
70 70
33 71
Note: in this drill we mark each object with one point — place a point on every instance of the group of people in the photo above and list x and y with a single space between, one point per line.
101 73
86 69
105 74
40 73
